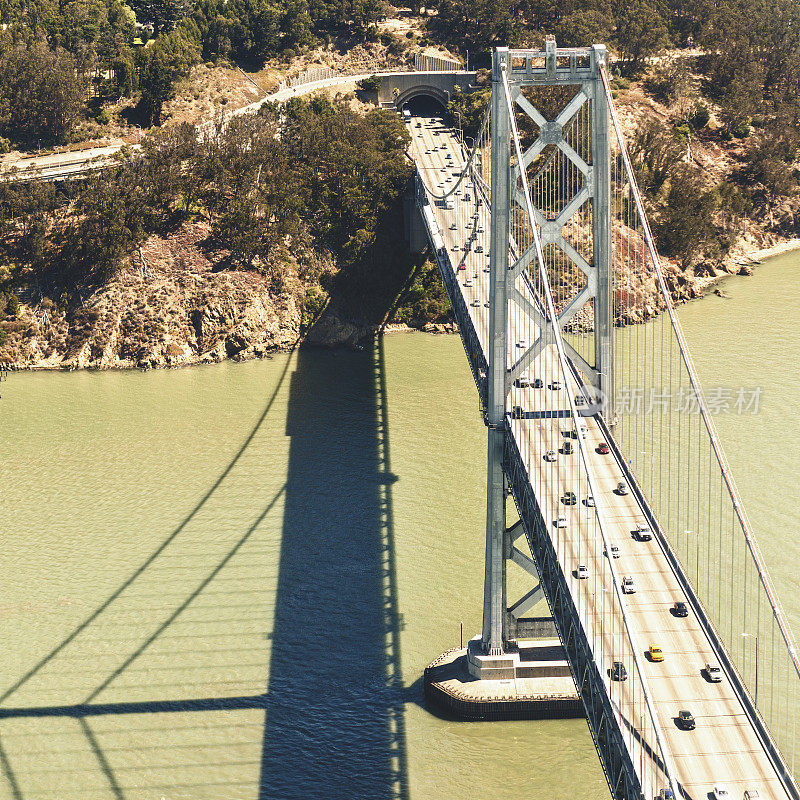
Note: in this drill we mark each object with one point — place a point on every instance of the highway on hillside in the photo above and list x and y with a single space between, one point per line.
724 748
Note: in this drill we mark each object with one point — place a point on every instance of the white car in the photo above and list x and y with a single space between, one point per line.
561 522
550 455
590 501
453 226
614 551
468 283
524 380
475 303
582 571
720 792
642 532
713 673
622 488
628 586
479 248
522 343
555 386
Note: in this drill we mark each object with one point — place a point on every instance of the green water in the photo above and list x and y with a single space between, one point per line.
225 582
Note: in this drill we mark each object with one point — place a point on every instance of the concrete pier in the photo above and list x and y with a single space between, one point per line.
533 681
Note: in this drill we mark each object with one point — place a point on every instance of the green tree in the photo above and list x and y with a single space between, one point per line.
40 95
641 32
655 154
686 226
161 66
125 80
584 28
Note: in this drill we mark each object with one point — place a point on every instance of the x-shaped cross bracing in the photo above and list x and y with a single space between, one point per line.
551 132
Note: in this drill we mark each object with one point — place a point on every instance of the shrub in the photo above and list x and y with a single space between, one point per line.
103 118
681 132
315 300
371 84
700 116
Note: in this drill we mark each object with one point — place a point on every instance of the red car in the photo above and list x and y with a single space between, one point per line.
603 449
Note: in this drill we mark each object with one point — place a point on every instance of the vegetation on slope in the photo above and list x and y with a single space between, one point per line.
308 177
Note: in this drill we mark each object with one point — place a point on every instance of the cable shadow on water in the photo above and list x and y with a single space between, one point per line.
160 549
334 724
71 652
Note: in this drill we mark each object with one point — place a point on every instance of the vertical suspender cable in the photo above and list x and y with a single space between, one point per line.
752 546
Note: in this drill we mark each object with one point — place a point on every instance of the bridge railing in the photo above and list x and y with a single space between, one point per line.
422 63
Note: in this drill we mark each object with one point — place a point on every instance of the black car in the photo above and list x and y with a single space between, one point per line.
538 383
680 609
618 671
567 448
686 720
517 412
569 499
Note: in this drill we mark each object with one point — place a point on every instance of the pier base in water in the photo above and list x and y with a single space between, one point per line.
532 681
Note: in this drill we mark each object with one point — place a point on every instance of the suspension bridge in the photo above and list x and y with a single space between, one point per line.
635 530
601 434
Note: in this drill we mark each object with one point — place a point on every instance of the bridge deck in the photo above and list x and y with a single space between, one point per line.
725 747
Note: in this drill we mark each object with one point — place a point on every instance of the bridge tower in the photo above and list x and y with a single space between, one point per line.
524 68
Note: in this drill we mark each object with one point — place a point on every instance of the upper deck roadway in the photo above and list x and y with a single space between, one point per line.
724 748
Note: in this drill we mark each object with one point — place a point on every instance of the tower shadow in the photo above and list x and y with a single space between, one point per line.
334 724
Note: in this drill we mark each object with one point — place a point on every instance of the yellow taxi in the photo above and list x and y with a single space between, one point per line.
656 653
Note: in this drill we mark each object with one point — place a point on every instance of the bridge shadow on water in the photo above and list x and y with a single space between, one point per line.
334 723
333 709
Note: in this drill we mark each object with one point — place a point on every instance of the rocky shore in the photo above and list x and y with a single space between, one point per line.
171 307
167 308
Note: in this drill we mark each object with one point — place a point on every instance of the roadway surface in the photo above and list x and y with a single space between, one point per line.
724 748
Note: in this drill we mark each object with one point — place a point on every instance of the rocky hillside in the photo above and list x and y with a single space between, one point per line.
168 309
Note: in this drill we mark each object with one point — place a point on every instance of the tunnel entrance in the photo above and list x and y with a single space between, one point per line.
423 105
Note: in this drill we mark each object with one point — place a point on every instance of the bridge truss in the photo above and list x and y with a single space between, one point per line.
572 264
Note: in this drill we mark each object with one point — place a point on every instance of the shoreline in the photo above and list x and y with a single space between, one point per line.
760 255
707 286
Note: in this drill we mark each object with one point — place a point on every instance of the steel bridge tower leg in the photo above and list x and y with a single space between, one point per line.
601 245
494 591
